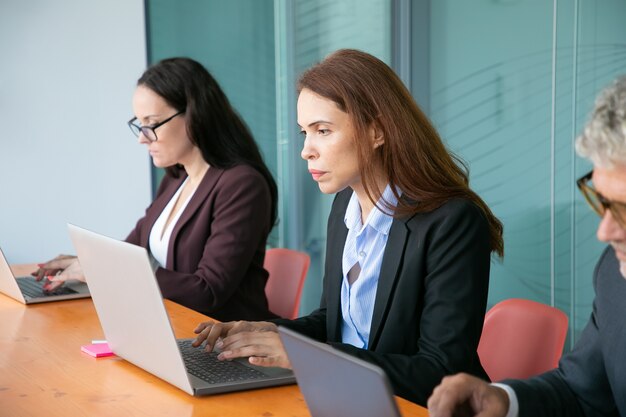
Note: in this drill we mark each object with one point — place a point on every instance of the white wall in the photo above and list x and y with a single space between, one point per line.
67 73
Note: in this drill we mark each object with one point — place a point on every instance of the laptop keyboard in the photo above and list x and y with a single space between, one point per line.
34 289
207 367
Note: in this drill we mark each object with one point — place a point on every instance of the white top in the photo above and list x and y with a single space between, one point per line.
160 239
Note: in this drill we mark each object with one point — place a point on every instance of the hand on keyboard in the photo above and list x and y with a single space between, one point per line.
59 270
258 341
211 331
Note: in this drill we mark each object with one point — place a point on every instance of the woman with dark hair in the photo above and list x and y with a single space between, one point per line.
208 225
409 243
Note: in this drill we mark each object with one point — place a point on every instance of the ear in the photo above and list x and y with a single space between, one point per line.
376 135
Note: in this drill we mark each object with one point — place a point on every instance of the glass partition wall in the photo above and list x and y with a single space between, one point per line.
511 86
508 83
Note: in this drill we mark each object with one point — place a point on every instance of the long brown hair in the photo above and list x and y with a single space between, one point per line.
413 156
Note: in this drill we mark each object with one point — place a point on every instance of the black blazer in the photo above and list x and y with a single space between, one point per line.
591 379
431 297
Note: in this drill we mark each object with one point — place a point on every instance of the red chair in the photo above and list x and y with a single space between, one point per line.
287 270
521 338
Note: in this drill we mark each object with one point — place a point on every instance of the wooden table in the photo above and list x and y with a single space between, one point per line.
44 373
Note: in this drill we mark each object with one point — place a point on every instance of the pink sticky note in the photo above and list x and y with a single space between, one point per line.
97 350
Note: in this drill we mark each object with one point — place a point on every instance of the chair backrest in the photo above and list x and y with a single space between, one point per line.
521 338
287 270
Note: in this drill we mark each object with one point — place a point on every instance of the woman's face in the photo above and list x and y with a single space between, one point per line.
173 146
329 143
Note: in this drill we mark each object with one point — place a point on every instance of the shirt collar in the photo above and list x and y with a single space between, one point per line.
377 219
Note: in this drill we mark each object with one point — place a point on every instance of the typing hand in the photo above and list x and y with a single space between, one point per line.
52 267
262 348
465 395
212 331
59 270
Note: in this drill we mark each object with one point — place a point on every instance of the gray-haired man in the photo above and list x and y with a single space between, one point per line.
591 379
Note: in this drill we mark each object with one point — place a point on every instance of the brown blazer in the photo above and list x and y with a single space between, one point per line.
216 251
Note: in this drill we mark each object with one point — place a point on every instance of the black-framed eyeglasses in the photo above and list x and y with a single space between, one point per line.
149 132
599 203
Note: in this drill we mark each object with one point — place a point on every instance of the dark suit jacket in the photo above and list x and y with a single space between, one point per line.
431 297
217 247
591 379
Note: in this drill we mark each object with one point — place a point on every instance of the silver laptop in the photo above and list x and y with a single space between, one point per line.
28 290
335 384
136 325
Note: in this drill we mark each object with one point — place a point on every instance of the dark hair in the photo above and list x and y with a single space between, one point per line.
413 156
212 124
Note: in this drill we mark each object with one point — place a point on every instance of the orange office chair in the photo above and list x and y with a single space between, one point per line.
521 338
287 270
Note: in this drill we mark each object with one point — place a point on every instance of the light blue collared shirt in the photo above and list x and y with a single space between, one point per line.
365 244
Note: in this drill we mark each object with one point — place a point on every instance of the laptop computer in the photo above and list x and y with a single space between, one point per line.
335 384
27 290
137 328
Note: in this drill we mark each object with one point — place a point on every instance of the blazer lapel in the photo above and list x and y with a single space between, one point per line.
199 196
394 251
334 275
159 205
